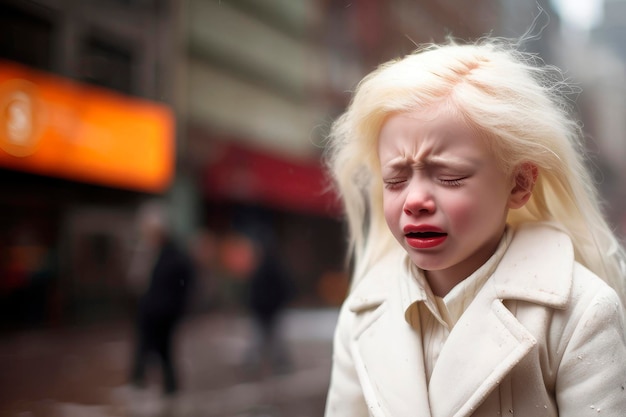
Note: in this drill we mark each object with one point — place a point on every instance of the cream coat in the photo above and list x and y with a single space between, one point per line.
544 337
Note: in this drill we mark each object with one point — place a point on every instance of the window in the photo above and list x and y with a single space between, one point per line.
25 38
106 64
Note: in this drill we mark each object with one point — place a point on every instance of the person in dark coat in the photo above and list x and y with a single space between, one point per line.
163 304
269 292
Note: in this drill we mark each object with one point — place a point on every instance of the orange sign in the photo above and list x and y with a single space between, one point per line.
53 126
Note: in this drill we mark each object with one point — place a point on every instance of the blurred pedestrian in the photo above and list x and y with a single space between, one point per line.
163 303
269 292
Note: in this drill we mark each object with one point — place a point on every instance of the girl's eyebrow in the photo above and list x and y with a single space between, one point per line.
446 161
397 162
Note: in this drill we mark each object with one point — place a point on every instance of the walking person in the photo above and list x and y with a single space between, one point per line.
163 304
268 294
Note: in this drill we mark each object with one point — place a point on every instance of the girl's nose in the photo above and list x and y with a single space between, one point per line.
419 200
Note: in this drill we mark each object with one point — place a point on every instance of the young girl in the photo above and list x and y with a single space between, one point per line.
486 281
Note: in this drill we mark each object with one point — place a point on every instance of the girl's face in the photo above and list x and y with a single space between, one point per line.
445 198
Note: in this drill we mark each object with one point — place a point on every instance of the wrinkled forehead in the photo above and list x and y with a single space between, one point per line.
435 128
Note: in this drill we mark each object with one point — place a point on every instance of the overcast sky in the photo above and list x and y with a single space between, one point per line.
580 14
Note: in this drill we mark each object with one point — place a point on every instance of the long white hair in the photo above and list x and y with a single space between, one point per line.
512 100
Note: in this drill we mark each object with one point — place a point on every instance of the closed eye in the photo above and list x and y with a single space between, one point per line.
394 183
452 182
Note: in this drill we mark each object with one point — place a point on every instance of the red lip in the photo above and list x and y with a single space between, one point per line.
424 236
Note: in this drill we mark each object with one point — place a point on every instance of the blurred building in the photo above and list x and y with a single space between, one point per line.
595 59
84 137
604 66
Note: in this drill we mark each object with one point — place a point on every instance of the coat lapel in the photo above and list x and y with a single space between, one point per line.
388 357
485 344
387 351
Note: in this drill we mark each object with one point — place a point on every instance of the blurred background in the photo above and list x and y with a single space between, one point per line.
218 109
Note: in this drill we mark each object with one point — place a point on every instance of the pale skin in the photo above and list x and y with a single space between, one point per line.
445 197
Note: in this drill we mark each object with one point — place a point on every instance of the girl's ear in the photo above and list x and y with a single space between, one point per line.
524 181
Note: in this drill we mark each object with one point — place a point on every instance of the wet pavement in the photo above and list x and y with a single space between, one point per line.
83 371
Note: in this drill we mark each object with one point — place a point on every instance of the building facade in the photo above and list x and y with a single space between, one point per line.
87 133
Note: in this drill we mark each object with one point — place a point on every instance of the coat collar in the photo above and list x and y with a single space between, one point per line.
536 268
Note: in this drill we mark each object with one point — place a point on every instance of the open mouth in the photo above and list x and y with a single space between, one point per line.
425 235
425 240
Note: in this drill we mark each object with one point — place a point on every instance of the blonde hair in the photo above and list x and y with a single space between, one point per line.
515 103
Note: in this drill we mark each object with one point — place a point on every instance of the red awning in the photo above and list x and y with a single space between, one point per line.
246 175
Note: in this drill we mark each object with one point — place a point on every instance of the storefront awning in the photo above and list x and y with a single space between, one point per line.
56 127
241 174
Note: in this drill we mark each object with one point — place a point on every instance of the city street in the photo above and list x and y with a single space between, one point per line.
83 371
